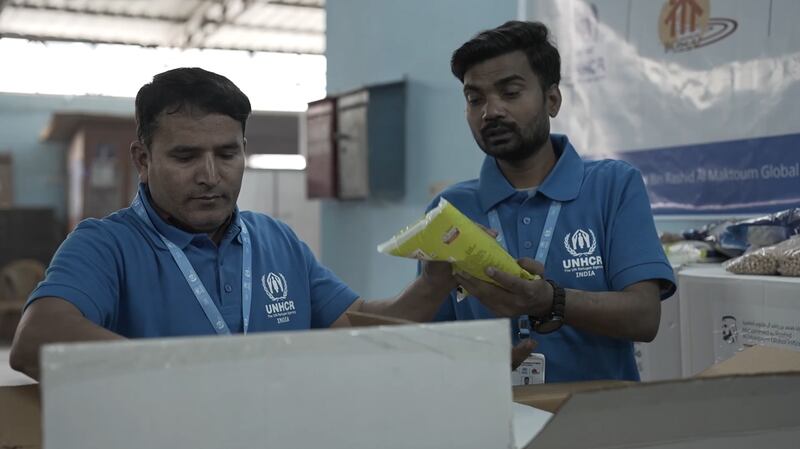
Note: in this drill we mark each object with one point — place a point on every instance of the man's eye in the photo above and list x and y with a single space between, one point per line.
511 93
473 101
182 157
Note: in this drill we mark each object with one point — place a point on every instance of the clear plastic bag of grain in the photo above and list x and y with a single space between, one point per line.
762 261
782 258
789 259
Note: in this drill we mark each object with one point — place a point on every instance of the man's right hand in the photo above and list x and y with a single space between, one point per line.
50 320
521 351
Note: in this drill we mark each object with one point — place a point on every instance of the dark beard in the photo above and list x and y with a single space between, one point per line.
527 146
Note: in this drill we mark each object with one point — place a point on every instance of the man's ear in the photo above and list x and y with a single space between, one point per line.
141 159
244 144
553 100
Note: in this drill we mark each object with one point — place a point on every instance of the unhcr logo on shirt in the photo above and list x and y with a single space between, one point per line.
276 288
581 245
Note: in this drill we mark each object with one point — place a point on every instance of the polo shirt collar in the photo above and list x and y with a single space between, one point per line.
178 236
563 183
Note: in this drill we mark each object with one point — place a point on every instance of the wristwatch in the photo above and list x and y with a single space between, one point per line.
553 322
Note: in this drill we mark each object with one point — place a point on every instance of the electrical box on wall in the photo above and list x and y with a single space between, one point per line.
356 144
370 142
321 144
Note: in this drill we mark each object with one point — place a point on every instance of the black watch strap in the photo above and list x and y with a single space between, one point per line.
556 318
559 300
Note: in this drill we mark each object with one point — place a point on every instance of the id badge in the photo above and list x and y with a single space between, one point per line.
530 372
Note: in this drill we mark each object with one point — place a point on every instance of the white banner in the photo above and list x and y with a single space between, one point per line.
675 75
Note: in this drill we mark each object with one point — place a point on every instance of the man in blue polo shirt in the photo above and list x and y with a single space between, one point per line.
585 227
182 259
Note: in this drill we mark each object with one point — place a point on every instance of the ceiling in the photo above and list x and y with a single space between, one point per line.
285 26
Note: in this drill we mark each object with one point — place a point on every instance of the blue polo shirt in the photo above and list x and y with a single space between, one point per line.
121 276
604 240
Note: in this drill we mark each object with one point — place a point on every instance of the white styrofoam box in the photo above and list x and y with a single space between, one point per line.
722 313
661 358
413 386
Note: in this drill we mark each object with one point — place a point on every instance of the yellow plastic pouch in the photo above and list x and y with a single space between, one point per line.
445 234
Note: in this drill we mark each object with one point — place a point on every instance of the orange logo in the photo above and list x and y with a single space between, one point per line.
686 24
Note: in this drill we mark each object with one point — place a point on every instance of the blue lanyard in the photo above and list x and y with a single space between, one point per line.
547 233
199 290
541 252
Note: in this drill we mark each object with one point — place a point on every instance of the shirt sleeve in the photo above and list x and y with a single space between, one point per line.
84 272
330 296
636 253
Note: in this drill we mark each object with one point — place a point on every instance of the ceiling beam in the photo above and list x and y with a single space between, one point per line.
174 20
89 12
318 5
191 33
46 38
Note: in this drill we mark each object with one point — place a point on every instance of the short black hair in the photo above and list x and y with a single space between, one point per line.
184 87
533 38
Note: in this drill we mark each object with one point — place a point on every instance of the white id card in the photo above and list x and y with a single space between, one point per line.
531 371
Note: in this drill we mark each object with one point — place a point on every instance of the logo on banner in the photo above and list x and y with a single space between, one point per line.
582 245
590 64
686 25
275 286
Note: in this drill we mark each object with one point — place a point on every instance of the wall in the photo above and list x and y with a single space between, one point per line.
282 195
379 41
39 171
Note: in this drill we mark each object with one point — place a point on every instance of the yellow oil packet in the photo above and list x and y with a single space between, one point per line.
445 234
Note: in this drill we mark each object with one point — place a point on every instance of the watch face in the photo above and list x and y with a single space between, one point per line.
545 327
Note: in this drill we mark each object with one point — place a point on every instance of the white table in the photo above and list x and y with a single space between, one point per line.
7 375
722 313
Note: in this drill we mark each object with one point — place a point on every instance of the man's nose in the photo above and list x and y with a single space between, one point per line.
208 172
493 109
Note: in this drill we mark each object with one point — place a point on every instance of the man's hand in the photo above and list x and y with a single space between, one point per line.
514 296
521 352
439 274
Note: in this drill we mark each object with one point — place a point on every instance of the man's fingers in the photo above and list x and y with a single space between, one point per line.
489 231
521 351
531 266
509 282
494 298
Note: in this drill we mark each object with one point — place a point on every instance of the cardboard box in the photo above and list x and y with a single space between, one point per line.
756 360
747 401
362 319
416 386
550 397
20 417
757 411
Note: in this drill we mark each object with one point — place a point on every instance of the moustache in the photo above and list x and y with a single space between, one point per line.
494 128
